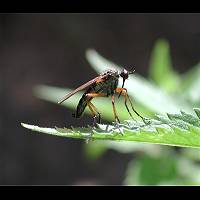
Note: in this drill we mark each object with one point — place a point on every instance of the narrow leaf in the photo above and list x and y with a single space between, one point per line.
179 130
161 70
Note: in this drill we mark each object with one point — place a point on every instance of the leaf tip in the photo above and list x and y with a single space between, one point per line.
169 116
25 125
197 111
90 52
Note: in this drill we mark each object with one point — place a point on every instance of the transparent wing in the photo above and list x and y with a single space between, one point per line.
82 87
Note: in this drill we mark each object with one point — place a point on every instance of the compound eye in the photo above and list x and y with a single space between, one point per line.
124 74
125 71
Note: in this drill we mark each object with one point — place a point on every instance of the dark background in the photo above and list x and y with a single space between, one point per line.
50 49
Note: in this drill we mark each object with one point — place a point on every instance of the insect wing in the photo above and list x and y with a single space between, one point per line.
82 87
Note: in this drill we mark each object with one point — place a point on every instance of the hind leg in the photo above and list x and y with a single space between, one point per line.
94 120
95 112
93 95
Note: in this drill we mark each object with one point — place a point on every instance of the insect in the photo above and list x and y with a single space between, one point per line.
104 85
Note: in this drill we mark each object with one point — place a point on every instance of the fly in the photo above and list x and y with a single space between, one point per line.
104 85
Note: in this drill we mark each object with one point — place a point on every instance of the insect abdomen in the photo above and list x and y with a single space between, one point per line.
96 88
81 106
83 102
107 87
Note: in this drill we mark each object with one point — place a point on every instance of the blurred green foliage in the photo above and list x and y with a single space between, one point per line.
160 165
165 91
149 170
161 70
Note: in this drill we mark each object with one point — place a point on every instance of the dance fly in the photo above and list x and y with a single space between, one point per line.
104 85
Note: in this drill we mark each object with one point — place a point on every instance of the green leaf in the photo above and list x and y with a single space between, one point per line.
197 111
166 168
175 130
94 150
130 147
149 170
190 86
142 91
161 70
193 154
189 77
188 171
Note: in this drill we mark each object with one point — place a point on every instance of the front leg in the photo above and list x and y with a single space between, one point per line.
123 91
96 95
114 109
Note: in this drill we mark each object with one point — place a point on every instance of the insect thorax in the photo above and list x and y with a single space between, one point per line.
110 83
111 72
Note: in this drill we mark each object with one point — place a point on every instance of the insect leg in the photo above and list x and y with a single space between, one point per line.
114 109
96 95
94 122
89 104
124 93
126 96
95 109
134 108
115 114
